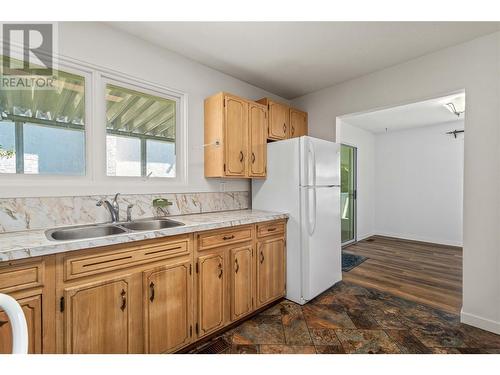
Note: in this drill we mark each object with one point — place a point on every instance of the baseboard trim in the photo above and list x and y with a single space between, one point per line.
419 239
477 321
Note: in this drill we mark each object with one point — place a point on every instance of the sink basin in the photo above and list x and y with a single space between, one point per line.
152 224
78 233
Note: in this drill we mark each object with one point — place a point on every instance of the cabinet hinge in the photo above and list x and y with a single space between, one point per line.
191 331
197 268
61 304
197 330
190 269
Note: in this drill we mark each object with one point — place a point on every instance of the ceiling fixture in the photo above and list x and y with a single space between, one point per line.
455 132
451 107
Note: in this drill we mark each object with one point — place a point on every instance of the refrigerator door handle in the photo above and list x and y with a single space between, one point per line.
312 162
311 218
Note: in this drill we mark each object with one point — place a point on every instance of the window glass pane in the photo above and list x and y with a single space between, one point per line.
123 156
160 157
7 147
151 121
50 125
53 150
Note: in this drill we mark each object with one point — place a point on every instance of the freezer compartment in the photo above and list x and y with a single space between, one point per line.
319 162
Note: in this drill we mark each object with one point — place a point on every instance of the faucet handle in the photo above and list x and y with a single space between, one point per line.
99 203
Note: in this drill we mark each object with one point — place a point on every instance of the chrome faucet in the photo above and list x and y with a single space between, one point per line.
113 208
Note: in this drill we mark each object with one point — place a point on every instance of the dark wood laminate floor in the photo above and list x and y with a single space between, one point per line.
426 273
349 318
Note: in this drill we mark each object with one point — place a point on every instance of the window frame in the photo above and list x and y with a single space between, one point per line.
150 90
15 179
95 181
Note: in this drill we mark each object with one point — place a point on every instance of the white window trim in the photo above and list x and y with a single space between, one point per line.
95 181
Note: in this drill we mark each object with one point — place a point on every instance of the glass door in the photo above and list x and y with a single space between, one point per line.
348 193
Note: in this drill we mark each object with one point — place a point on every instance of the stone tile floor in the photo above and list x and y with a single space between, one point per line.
351 319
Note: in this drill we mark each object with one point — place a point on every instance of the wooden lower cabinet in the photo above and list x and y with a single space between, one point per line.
98 317
242 281
152 296
271 271
167 307
32 308
212 292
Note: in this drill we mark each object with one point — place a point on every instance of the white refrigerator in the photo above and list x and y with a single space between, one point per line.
303 179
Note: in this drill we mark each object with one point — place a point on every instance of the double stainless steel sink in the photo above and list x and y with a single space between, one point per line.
102 230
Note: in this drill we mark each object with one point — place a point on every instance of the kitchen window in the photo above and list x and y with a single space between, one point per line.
42 131
140 132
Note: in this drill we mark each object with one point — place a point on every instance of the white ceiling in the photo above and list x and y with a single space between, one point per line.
291 59
426 113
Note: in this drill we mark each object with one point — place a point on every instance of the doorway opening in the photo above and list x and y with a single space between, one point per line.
405 224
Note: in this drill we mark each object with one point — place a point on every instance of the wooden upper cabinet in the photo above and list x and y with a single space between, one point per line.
97 318
278 119
298 123
283 121
32 308
242 283
236 136
233 130
212 292
271 274
167 302
257 124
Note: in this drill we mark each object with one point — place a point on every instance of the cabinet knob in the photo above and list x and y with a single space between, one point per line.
225 238
293 130
284 128
2 322
253 158
261 257
236 266
241 156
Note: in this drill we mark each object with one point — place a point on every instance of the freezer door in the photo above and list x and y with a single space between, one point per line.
320 162
320 233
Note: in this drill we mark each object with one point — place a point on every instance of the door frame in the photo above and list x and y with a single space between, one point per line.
355 200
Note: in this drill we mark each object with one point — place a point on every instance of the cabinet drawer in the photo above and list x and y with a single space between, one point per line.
270 229
119 257
212 239
21 275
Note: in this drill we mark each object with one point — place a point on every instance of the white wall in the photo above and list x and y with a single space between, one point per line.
364 141
100 44
419 184
475 67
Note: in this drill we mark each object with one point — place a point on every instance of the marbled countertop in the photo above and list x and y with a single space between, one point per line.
32 243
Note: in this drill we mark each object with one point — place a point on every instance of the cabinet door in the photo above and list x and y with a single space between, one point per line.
236 136
298 123
167 303
270 270
212 293
241 282
97 318
279 117
257 124
32 308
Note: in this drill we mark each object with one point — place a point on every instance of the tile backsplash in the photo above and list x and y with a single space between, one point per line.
46 212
